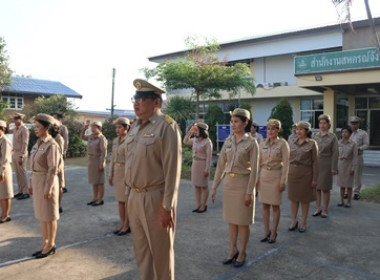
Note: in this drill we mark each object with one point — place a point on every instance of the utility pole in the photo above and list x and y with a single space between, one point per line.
113 90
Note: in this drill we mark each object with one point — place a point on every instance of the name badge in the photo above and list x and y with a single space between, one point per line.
40 149
146 135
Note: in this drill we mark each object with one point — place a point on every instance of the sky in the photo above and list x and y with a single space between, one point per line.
78 42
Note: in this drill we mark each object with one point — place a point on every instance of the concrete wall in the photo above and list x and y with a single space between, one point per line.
359 38
274 69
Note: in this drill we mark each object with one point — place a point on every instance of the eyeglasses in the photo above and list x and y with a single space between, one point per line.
137 99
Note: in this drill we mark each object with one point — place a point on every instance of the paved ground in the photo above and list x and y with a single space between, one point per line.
343 246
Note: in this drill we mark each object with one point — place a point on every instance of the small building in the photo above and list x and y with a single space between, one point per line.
329 69
92 116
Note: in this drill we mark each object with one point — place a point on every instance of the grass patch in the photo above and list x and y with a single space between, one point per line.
77 161
371 194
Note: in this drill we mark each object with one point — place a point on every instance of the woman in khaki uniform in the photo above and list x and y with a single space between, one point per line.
273 174
61 166
116 175
348 159
97 152
200 169
238 164
44 184
6 184
303 173
255 134
327 164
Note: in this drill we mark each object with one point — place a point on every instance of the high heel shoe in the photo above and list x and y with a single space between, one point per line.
239 264
266 238
36 253
231 260
98 203
44 255
271 241
8 219
317 213
91 202
202 211
195 210
293 228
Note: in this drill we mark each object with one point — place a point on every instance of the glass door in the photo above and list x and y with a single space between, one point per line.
374 139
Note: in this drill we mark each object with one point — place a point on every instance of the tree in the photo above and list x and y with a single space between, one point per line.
283 112
181 110
51 105
203 73
213 116
5 71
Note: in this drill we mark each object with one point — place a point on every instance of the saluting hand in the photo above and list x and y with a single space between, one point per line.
213 195
166 217
248 200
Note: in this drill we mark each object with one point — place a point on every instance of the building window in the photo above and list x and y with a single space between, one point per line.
311 109
15 101
341 112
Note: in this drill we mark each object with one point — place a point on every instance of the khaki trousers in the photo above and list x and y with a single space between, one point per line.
358 174
153 245
20 170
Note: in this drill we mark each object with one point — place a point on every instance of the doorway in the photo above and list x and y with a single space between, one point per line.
374 136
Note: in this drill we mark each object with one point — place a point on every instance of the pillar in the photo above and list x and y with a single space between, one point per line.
329 106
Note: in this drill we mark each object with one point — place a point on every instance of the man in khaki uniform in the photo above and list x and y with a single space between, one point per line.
360 137
65 134
20 154
153 167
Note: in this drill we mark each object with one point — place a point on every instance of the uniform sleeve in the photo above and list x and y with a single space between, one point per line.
335 154
365 144
260 139
285 153
314 156
187 140
66 138
355 156
113 159
103 151
52 157
171 162
220 167
208 155
25 142
83 135
254 159
3 161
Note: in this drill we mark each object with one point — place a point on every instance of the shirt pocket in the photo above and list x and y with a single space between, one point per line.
149 144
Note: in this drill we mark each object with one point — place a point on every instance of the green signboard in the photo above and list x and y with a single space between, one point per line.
337 61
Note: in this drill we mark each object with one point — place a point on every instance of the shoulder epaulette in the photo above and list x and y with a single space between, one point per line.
169 119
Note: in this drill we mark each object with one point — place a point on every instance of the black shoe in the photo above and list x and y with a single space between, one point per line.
239 264
91 203
60 210
293 228
42 255
8 219
302 230
347 205
195 210
266 238
345 196
64 190
271 241
356 196
317 213
116 232
23 196
36 253
323 215
340 204
98 203
18 195
121 233
202 211
231 260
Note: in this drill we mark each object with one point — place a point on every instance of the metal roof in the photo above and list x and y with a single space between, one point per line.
29 86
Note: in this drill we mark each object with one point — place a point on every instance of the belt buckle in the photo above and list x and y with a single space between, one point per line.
232 175
269 168
117 164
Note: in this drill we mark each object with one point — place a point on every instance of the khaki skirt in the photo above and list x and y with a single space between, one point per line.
197 170
94 176
45 210
299 184
325 178
119 182
344 178
234 210
6 187
269 192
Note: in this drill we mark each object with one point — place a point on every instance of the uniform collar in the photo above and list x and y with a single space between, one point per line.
267 141
46 139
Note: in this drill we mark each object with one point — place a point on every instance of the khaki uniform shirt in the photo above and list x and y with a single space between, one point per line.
118 154
61 143
348 150
154 153
361 139
275 156
6 154
328 147
20 140
202 149
259 138
291 137
44 158
305 154
65 134
240 157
